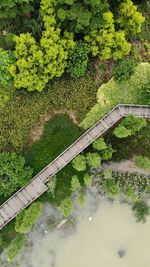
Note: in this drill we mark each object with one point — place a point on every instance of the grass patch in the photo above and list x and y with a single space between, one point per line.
20 115
113 93
58 134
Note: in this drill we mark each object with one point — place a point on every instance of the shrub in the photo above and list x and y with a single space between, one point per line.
93 160
142 162
75 184
66 207
133 123
13 173
99 144
79 163
15 246
27 218
78 60
141 210
52 186
122 132
107 173
87 179
111 188
124 69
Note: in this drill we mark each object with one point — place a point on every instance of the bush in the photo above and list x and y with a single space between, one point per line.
75 184
79 163
111 188
78 60
87 179
122 132
124 69
93 160
28 217
142 162
13 173
66 207
141 210
15 246
99 144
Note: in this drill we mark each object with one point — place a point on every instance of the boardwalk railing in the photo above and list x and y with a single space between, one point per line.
26 195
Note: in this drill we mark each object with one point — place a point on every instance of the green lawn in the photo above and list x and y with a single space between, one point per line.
113 93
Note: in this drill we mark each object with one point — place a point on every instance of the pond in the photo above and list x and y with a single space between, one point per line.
100 233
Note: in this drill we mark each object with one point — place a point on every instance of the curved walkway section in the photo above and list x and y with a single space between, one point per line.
26 195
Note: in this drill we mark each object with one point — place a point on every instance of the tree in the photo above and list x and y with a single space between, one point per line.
142 162
129 19
13 173
78 60
36 63
79 163
66 207
27 218
80 16
52 186
93 160
124 69
11 9
87 179
15 246
122 132
107 153
75 184
111 188
141 210
106 42
99 144
129 126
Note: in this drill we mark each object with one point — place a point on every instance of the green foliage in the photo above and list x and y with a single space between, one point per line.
78 60
18 127
93 160
11 9
5 61
81 16
107 153
129 126
124 69
52 186
111 188
75 184
141 210
129 19
142 162
13 173
82 199
113 93
130 193
28 217
36 64
58 134
79 163
107 174
106 42
66 207
99 144
122 132
87 179
15 246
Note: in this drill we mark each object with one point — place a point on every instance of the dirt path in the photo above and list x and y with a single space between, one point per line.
37 131
127 166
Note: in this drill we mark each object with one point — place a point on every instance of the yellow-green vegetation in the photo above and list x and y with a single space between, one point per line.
113 93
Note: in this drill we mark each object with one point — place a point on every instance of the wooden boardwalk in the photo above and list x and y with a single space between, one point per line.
26 195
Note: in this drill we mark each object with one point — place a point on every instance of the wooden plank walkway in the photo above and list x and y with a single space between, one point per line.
26 195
